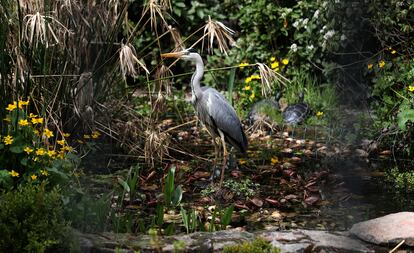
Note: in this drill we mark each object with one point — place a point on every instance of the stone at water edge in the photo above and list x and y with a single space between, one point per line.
389 229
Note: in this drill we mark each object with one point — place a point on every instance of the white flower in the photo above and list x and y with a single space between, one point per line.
305 21
310 47
296 24
343 37
329 34
316 14
294 47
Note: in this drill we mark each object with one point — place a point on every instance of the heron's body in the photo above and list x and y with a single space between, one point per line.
213 110
296 113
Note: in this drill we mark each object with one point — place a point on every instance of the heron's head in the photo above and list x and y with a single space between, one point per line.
189 54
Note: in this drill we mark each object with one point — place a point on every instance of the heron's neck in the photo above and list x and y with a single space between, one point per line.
196 78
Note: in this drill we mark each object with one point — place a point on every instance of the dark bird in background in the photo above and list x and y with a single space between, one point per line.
213 110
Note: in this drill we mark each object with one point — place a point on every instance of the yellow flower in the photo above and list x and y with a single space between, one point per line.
393 52
51 153
95 134
411 88
247 87
48 133
272 59
67 148
33 177
7 119
242 161
37 120
248 80
319 114
285 61
23 103
31 115
14 173
274 65
381 64
40 151
61 154
11 107
369 66
8 140
252 96
28 150
255 77
243 64
36 132
44 172
86 136
23 122
66 135
274 160
61 142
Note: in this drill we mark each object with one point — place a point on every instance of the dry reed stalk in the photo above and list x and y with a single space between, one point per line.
128 60
217 30
269 77
157 8
156 145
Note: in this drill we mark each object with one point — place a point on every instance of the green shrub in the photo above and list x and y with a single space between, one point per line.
32 220
259 245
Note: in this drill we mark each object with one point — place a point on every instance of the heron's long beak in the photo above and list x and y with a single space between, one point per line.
172 55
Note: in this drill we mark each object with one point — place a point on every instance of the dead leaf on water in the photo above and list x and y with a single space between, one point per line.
257 202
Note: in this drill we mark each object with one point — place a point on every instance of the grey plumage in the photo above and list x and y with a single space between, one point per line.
213 110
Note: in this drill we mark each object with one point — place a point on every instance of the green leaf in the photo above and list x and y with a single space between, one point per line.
16 149
24 161
177 196
1 145
169 186
6 180
404 116
226 219
124 184
184 218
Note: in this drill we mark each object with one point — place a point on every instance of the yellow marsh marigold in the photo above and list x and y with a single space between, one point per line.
31 115
274 160
44 172
33 177
272 59
28 150
86 136
51 153
369 66
252 96
393 52
11 107
40 151
242 161
285 61
37 120
319 114
61 142
48 133
14 173
66 135
23 122
8 139
411 88
247 87
243 64
255 77
381 64
95 134
23 103
274 65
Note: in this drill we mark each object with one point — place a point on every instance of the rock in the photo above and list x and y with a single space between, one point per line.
287 241
389 229
314 241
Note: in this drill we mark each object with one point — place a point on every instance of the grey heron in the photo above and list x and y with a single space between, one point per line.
213 110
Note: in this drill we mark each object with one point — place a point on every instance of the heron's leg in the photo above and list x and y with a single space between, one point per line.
216 157
223 166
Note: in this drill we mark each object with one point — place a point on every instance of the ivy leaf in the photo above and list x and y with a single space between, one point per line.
404 116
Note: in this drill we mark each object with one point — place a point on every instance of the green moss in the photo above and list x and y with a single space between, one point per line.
259 245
